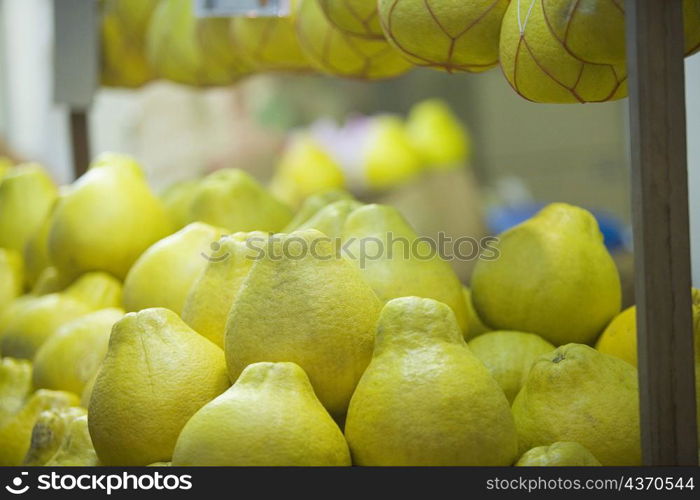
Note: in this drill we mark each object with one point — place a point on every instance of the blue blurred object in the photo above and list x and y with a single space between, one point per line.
499 219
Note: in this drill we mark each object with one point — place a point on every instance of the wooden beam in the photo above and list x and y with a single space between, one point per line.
661 231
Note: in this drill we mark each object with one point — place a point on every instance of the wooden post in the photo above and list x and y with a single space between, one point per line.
80 141
661 232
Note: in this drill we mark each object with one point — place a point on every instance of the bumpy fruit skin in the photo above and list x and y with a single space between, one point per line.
553 277
177 199
104 221
76 449
16 432
400 265
453 35
163 275
269 417
157 373
70 358
577 394
425 399
26 196
340 53
559 454
357 17
48 433
541 68
312 308
268 43
212 295
234 200
508 356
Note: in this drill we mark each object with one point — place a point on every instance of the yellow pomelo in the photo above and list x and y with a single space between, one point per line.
36 319
576 393
269 417
541 69
157 373
16 432
123 27
390 157
192 51
339 53
212 294
357 17
233 199
331 218
620 337
313 204
508 356
26 196
437 135
305 169
553 276
36 252
475 326
163 275
453 35
11 276
425 399
559 454
105 220
177 200
268 43
593 31
69 359
396 262
303 302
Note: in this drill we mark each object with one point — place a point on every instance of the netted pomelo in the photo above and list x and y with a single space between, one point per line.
339 53
357 17
540 68
453 35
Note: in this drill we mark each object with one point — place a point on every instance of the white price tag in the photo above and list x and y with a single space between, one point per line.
241 8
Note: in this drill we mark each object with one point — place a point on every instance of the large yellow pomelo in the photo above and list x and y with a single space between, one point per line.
541 69
454 35
339 53
357 17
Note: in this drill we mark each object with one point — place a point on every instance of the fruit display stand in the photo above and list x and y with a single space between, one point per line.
659 182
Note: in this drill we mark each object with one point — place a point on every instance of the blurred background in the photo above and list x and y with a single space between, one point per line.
521 154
